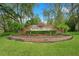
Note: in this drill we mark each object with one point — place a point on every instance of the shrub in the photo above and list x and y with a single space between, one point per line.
63 27
14 27
17 26
41 32
33 21
7 33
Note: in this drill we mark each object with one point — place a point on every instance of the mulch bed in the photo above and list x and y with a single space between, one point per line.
40 38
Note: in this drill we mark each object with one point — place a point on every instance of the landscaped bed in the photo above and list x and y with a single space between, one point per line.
40 38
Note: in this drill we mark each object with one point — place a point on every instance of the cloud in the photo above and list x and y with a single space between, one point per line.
65 10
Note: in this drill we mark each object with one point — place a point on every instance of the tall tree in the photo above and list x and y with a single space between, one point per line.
74 16
59 15
16 13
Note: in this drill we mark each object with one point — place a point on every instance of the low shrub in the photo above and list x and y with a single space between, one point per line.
41 32
62 27
7 33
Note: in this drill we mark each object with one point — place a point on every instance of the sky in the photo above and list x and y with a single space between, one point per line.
38 10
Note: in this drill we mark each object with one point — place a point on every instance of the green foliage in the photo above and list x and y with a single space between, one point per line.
15 14
14 26
33 21
41 32
7 34
50 21
63 26
17 26
59 17
72 22
77 26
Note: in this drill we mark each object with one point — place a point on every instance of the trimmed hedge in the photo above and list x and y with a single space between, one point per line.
7 33
41 32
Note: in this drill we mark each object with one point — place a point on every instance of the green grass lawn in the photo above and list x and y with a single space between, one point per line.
11 47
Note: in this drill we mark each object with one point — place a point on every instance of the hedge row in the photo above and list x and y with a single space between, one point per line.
41 32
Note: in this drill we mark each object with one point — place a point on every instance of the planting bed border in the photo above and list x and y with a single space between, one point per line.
42 38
